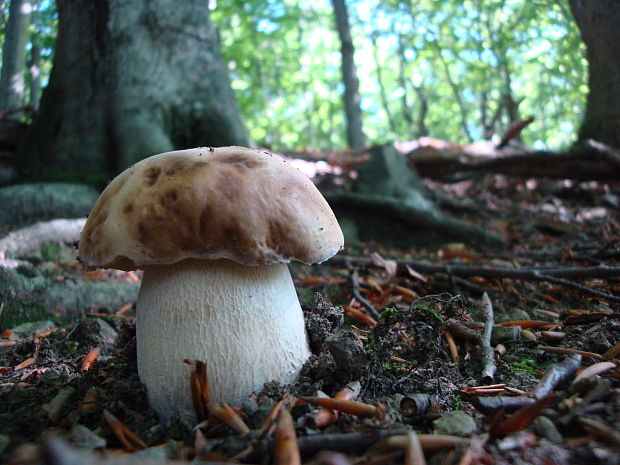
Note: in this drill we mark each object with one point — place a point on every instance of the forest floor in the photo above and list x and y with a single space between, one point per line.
543 390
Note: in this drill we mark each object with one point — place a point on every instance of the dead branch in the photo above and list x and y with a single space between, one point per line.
531 273
578 287
593 161
487 353
555 375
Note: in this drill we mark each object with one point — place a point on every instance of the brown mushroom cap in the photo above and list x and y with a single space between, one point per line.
236 203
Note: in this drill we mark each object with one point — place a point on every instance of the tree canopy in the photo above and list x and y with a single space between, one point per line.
455 70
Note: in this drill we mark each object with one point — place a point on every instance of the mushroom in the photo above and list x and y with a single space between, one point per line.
213 229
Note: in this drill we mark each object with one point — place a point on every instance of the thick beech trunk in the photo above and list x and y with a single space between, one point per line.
599 23
355 133
130 79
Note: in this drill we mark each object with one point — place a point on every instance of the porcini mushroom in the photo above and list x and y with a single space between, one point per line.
213 229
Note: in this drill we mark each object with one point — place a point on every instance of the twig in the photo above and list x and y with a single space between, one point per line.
286 448
522 417
576 286
566 351
308 445
360 298
532 273
414 455
461 331
556 374
487 354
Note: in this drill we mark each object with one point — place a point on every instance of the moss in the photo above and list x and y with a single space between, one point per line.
434 313
526 365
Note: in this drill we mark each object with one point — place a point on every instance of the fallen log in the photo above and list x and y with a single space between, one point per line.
593 161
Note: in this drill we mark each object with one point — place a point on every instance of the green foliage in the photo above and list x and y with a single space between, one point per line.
432 67
461 57
42 30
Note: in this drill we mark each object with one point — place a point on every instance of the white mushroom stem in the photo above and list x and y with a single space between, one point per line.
244 321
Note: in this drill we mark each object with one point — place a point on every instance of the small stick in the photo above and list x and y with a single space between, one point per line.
522 417
527 323
326 417
227 415
269 422
414 455
130 441
359 316
557 374
488 356
454 353
360 298
565 351
458 329
429 442
346 406
576 286
286 449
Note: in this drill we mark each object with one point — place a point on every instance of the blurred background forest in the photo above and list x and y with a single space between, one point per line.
455 70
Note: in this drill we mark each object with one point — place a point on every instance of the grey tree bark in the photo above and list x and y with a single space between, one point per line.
34 69
12 83
130 79
598 22
355 132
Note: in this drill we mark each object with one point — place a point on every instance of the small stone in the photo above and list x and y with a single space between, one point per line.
83 438
97 332
456 423
28 329
544 427
154 454
55 406
502 334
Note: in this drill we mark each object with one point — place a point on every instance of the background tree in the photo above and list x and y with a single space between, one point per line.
12 86
352 99
283 57
599 22
130 80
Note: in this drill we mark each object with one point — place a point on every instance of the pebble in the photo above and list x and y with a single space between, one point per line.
457 423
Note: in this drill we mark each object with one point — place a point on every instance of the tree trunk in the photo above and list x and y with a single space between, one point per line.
14 55
355 133
34 69
130 79
598 22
